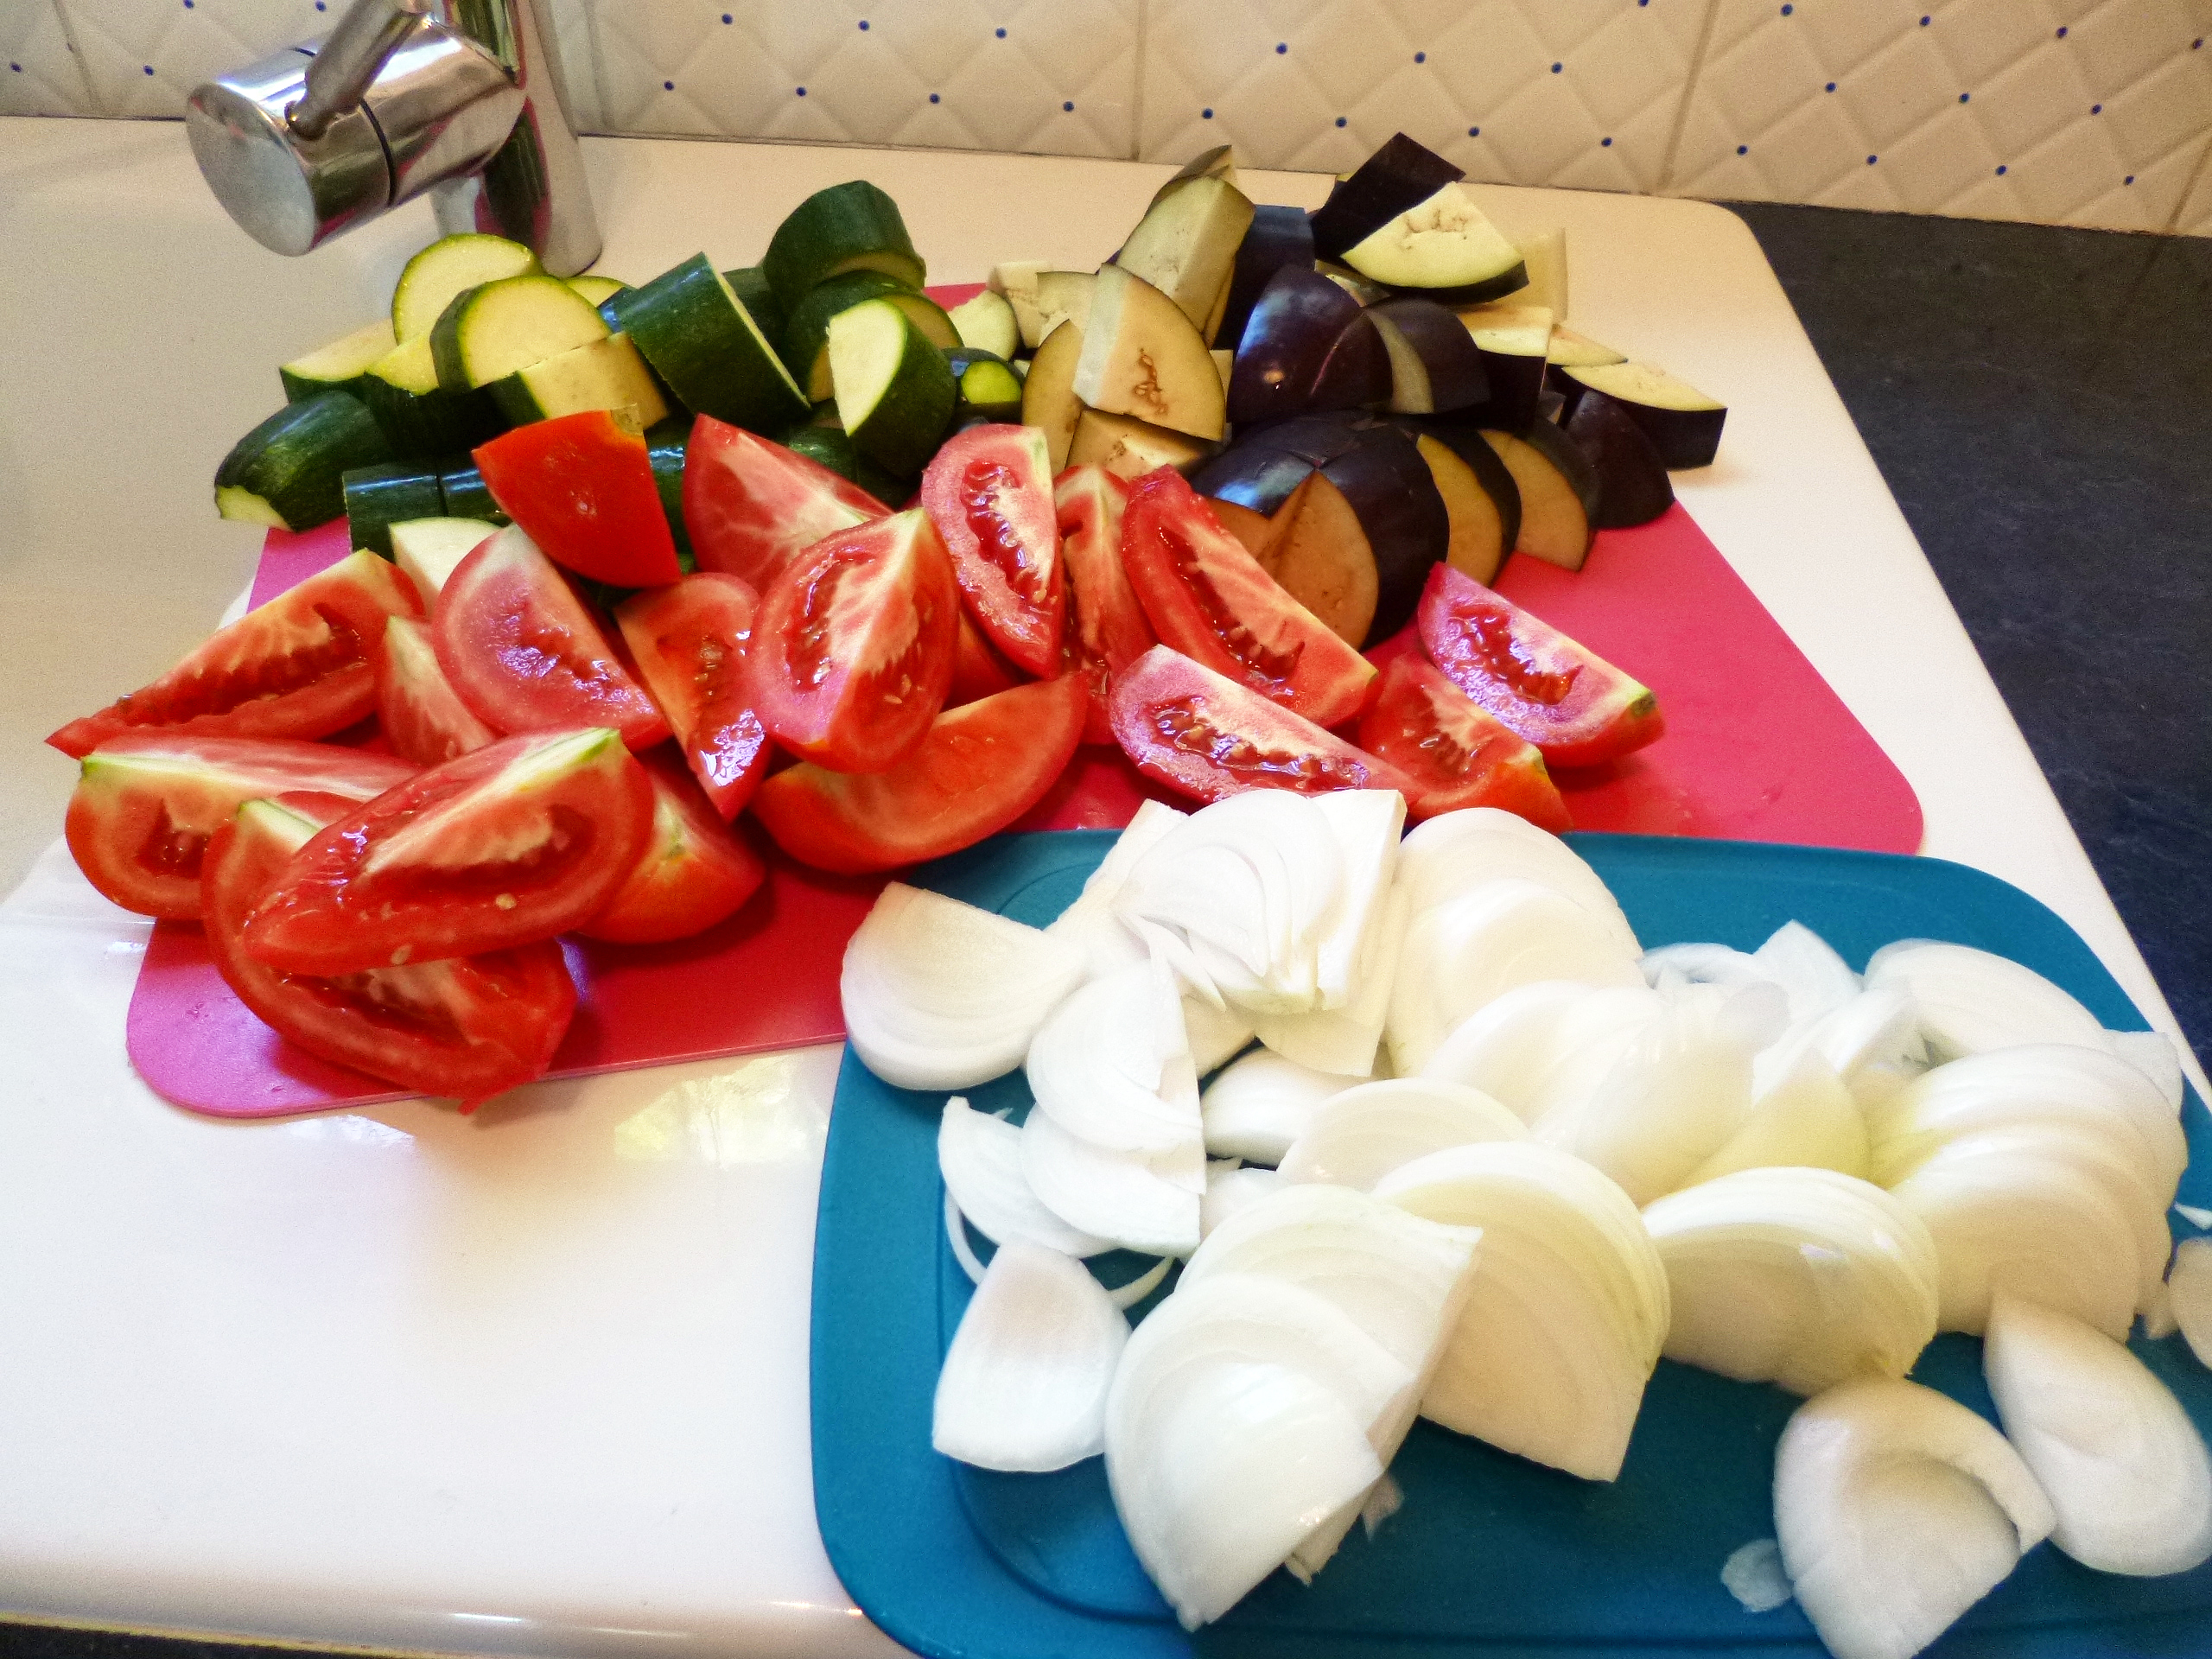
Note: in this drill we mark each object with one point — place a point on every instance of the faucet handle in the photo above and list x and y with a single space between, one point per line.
350 59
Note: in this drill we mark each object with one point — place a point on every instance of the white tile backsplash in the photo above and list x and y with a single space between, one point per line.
2095 113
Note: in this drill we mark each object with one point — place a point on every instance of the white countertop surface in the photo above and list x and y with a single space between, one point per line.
535 1382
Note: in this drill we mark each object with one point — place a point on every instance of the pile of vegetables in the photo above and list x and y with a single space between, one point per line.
1490 1160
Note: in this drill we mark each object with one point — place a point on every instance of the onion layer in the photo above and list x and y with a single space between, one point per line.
980 1158
1356 1138
1262 1104
1973 1000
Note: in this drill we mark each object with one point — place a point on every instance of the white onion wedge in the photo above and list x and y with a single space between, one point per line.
1215 1035
1346 1040
1804 1118
1452 853
1090 924
1753 1573
2107 1442
1356 1137
1113 1063
1972 1001
1510 1048
1025 1379
1138 1203
1671 969
2153 1054
980 1157
939 994
1799 1277
1896 1509
1231 1187
1873 1042
1262 1104
1366 823
1566 1315
1812 976
2189 1292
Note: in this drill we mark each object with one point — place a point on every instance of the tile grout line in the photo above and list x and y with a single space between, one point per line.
2196 176
1666 183
1136 82
598 64
77 57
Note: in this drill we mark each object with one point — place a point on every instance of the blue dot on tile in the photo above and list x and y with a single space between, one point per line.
1420 57
932 97
2096 109
727 18
1786 10
149 68
1340 120
2000 170
1281 47
17 67
1068 107
1831 87
1743 150
1870 160
1924 22
187 5
1557 67
2130 179
2062 31
802 92
1001 33
863 25
1474 133
1642 3
668 85
321 5
2197 45
1205 115
1604 143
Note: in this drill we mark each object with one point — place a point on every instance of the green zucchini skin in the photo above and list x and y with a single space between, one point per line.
422 422
750 284
850 226
805 336
294 462
376 498
461 484
496 329
607 373
709 350
666 441
828 445
339 367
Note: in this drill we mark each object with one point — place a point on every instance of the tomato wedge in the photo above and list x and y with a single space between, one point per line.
467 1028
1569 701
989 490
689 640
1212 601
527 655
978 672
145 804
422 715
582 486
504 847
695 870
1455 754
1209 737
853 652
753 506
1108 630
980 768
298 666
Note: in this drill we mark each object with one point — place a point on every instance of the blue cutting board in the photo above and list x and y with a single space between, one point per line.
1490 1556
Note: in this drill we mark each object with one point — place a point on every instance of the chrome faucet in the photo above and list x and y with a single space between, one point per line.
457 98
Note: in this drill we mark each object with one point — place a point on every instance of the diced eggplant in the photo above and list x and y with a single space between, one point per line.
1544 253
1465 442
1323 557
1048 399
1278 237
1186 245
1434 365
1219 163
1308 347
1683 422
1633 488
1569 350
1444 247
1513 340
1352 283
1559 494
1399 175
1129 448
1143 356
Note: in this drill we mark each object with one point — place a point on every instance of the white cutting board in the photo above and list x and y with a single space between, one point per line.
537 1383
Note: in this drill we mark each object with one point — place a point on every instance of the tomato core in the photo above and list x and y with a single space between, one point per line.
981 488
169 849
1510 659
271 677
1184 725
811 645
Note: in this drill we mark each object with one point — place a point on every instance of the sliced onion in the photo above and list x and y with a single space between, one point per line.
1565 1317
1673 967
1346 1040
1230 1188
1873 1042
1455 852
1897 1508
1356 1137
1467 951
2107 1441
1540 1044
2156 1312
1025 1380
1753 1573
2196 1215
956 1233
1089 923
2153 1054
1127 1296
1385 1500
1367 823
1215 1035
1812 976
939 994
980 1158
1262 1104
2188 1291
1799 1277
1805 1118
1138 1203
1113 1064
1972 1001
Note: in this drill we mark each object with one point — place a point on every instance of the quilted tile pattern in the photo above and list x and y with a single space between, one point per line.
1054 77
2062 111
2196 216
38 70
144 57
574 44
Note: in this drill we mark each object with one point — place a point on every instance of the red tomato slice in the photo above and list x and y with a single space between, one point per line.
980 768
1212 601
753 506
695 870
504 847
298 666
145 806
582 486
527 655
1109 628
1570 703
1456 754
989 490
689 640
422 716
1209 737
853 652
978 672
467 1028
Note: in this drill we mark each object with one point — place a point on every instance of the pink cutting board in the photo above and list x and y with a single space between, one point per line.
1756 748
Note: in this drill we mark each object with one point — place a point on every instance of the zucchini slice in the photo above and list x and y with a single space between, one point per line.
702 341
289 471
850 226
806 336
1683 422
442 270
498 328
378 497
988 390
422 422
828 445
666 443
598 289
429 548
468 497
340 365
895 393
750 284
986 322
604 374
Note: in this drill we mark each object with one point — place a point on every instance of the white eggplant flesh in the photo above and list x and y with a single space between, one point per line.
2188 1296
1815 979
1089 923
1025 1379
1346 1040
1973 1000
1356 1138
1805 1118
1470 949
1262 1104
1896 1509
1231 1187
1798 1277
939 994
1113 1063
1454 852
2153 1054
2110 1446
980 1157
1142 1203
1567 1310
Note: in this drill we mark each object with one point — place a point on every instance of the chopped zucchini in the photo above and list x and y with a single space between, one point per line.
702 341
340 365
468 497
850 226
605 374
894 389
750 284
598 289
422 422
988 322
442 270
429 548
988 389
499 328
806 337
378 497
666 443
829 446
290 470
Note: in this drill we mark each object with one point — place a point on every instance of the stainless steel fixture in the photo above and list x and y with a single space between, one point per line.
457 98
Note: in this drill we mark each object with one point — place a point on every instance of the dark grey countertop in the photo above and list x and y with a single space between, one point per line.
2040 402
